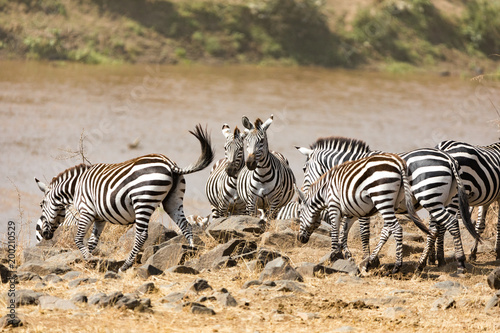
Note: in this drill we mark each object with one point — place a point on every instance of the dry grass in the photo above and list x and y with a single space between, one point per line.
328 297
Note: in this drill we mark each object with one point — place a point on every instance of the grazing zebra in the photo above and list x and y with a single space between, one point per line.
359 189
122 193
434 177
481 175
221 184
267 180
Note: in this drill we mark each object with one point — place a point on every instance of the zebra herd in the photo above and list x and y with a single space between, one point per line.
343 180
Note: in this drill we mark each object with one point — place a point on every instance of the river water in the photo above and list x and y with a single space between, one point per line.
47 108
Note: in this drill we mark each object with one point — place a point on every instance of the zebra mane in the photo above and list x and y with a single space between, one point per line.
340 143
72 170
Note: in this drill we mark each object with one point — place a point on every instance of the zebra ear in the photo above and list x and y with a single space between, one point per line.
267 123
300 193
41 185
305 151
246 123
226 130
237 133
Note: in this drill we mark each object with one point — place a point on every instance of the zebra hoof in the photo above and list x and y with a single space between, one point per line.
441 262
364 265
334 256
473 257
375 263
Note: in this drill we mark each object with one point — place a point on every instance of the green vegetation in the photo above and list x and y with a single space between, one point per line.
403 35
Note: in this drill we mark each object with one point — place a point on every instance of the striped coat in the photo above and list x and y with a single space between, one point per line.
122 193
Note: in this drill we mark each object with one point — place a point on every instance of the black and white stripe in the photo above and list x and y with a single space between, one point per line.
359 189
221 183
122 193
267 180
481 175
434 178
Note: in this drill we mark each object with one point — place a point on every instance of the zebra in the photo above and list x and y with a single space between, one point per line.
221 183
481 174
434 176
360 188
266 181
122 193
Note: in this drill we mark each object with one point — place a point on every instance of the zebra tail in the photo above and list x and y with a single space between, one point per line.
207 152
463 201
409 202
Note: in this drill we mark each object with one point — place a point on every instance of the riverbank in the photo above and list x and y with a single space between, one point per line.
402 36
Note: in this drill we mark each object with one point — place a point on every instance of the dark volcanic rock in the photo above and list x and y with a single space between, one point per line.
494 279
22 297
147 270
283 240
220 255
199 285
236 226
181 269
44 268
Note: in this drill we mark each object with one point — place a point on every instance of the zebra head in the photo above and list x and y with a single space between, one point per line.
256 140
309 216
233 150
53 212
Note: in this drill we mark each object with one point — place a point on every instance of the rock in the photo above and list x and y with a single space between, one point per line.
131 302
170 255
226 299
305 316
250 283
224 262
319 241
110 300
146 288
12 320
77 282
279 268
55 303
312 270
112 275
173 297
395 312
22 297
66 258
71 275
264 256
409 248
147 270
220 255
236 226
290 287
181 269
443 303
79 298
345 266
44 268
199 285
39 253
4 273
452 288
28 276
494 279
96 298
201 309
492 302
180 239
104 265
283 240
290 224
52 278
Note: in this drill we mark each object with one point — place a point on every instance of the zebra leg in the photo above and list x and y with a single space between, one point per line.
83 226
384 235
335 217
431 257
440 245
96 233
174 206
344 232
364 231
141 234
480 225
397 232
431 240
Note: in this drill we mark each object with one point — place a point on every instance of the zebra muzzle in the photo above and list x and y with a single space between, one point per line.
47 234
251 162
302 238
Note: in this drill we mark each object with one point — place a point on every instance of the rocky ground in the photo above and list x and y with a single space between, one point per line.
247 275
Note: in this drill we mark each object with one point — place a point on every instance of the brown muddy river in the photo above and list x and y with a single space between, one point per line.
45 108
